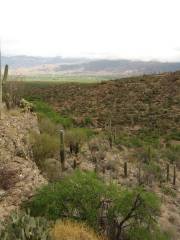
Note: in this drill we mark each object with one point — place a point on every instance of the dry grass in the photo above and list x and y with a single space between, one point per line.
68 230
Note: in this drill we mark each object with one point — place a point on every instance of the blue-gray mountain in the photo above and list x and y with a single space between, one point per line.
89 66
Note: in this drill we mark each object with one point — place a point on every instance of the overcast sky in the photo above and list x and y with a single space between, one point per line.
133 29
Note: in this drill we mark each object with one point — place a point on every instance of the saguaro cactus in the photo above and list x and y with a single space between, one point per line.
149 154
75 163
125 169
174 175
76 150
139 174
96 165
3 80
167 172
62 151
0 85
115 133
5 76
110 135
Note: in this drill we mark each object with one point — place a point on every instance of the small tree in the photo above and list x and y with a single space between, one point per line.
133 211
81 197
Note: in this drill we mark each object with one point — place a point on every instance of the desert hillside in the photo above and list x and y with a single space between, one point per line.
105 155
148 101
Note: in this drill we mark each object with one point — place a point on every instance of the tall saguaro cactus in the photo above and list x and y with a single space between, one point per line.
62 151
3 80
174 175
167 172
125 169
5 76
0 87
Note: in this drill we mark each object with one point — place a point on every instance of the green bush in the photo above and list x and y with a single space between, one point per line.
146 234
172 154
153 171
75 135
128 141
21 226
80 196
174 135
149 137
43 146
88 121
77 196
147 154
46 110
78 136
48 126
148 158
168 191
141 139
135 209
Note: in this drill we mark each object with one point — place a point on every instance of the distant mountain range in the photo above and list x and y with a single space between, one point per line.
26 65
30 61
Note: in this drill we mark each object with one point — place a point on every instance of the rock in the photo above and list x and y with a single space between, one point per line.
27 106
15 154
2 194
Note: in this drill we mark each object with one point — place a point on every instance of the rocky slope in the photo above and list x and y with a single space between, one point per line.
111 167
147 101
19 176
23 176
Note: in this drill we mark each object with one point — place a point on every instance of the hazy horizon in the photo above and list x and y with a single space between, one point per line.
104 29
92 58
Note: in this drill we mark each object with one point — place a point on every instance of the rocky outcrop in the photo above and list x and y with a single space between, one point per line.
20 176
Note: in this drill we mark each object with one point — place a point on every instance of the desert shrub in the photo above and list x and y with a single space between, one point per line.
149 137
77 136
8 178
43 146
12 90
52 169
168 191
80 197
112 165
22 226
134 210
48 126
153 172
141 139
98 142
148 159
147 154
77 196
174 135
69 230
172 154
145 234
98 147
88 121
128 140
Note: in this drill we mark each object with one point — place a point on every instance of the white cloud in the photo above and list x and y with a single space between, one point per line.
146 29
